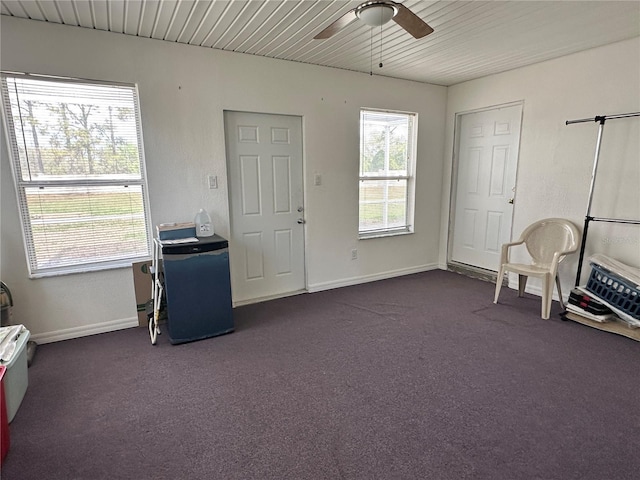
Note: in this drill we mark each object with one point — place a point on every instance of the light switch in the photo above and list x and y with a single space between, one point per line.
213 181
317 179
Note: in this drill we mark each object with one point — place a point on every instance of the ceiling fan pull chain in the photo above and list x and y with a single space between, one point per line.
380 64
371 55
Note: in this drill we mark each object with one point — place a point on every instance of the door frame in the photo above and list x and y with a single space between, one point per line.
305 288
453 190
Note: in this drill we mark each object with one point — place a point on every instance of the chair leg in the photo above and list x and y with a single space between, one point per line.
547 296
560 293
499 283
522 283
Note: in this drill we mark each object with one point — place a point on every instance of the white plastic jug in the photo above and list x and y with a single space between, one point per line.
204 228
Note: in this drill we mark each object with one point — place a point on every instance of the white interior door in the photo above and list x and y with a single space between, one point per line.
264 156
488 143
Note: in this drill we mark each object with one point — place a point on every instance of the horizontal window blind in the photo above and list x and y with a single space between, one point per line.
79 172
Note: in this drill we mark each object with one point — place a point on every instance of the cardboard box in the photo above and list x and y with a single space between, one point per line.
142 285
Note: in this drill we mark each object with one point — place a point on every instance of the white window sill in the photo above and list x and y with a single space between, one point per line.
391 233
70 270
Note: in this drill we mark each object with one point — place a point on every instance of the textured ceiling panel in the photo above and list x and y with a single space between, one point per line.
472 39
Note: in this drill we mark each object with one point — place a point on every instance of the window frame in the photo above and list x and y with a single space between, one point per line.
409 198
21 185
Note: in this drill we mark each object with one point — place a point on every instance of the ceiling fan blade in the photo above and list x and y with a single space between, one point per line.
411 22
338 25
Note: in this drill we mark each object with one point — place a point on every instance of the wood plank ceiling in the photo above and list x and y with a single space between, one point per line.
472 39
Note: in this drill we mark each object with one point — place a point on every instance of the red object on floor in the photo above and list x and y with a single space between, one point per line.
4 423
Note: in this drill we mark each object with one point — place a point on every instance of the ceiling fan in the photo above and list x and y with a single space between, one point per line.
377 13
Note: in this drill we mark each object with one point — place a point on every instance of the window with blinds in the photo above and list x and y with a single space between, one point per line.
79 172
387 153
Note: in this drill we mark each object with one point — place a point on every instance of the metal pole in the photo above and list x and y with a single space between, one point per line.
616 220
587 217
583 244
595 164
603 117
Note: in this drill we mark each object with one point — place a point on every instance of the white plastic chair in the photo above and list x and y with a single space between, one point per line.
547 241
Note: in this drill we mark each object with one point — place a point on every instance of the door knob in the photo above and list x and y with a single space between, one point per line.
511 201
301 221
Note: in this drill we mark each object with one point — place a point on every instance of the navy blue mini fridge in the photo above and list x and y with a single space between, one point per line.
198 289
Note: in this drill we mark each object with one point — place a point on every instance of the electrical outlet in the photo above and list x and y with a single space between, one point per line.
213 181
354 254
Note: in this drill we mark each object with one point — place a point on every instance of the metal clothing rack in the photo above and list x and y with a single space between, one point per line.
601 119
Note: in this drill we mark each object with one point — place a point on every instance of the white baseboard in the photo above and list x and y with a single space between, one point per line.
112 326
347 282
318 287
250 301
85 330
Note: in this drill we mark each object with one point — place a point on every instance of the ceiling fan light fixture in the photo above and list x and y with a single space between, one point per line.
376 15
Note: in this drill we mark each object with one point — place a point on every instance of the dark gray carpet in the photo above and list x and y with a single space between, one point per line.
418 377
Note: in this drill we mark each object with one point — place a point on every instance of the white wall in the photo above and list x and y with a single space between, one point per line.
183 92
556 160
